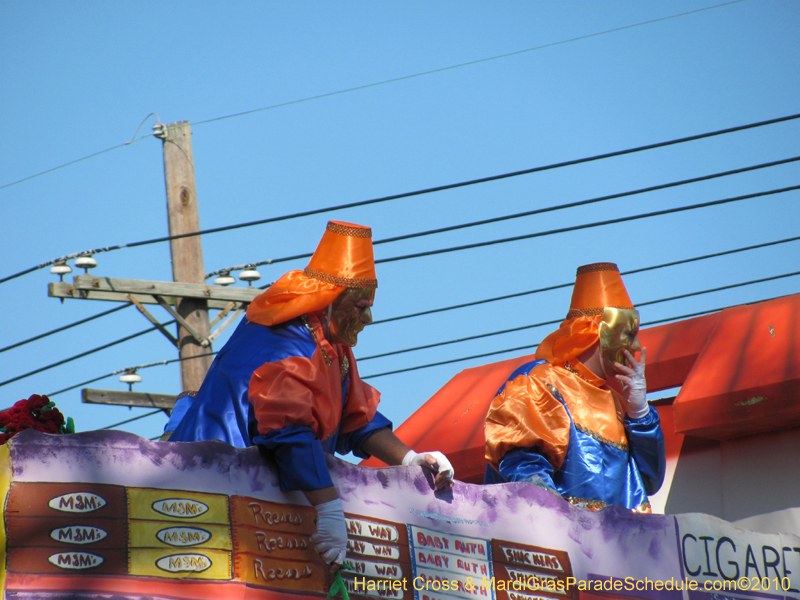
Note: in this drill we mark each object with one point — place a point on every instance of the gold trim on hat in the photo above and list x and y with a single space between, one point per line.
593 312
341 281
603 266
359 232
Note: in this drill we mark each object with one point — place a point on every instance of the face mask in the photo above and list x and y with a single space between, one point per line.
618 332
349 314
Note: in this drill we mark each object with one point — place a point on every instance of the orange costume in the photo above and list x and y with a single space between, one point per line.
556 423
280 383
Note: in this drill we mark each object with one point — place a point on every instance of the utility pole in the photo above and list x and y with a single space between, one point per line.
187 253
187 299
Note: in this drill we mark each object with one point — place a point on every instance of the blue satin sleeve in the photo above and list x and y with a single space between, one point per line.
222 410
182 406
352 441
527 465
299 456
647 449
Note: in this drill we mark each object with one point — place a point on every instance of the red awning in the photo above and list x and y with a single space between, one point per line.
739 371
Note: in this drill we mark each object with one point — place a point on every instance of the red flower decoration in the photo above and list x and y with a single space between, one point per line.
37 412
37 402
52 415
47 427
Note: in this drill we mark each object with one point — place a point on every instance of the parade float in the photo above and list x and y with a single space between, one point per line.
99 515
111 515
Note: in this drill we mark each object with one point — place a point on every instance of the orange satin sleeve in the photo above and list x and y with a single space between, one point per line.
523 415
598 412
296 391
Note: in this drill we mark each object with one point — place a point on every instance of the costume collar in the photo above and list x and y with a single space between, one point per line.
578 368
315 324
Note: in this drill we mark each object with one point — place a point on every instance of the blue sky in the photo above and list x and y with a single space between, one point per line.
78 77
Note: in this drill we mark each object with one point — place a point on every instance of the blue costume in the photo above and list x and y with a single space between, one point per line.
555 425
285 388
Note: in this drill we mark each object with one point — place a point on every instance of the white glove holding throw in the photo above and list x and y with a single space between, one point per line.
634 391
441 466
330 539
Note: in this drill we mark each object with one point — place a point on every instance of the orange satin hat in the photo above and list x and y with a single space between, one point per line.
343 259
597 286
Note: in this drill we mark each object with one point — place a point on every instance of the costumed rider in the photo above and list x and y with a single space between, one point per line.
576 420
287 381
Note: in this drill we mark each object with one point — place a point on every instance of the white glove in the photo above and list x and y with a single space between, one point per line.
634 391
330 539
440 465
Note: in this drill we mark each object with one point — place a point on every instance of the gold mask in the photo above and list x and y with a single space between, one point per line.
349 315
618 332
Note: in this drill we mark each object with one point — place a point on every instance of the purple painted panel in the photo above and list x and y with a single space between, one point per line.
205 520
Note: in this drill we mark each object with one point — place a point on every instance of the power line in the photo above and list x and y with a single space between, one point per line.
487 354
407 194
460 65
474 303
526 347
468 304
384 82
590 201
150 414
87 382
491 178
136 368
657 213
65 327
556 321
465 358
459 340
72 162
719 289
447 362
82 354
526 213
64 259
714 255
494 333
571 283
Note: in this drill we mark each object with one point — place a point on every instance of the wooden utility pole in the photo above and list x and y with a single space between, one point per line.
187 299
187 253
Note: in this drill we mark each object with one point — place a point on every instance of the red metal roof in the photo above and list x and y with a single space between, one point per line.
739 370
